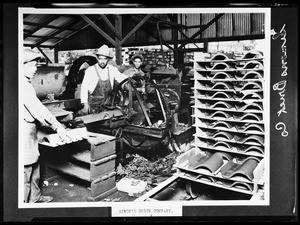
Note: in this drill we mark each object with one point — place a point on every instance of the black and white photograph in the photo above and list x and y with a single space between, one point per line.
144 112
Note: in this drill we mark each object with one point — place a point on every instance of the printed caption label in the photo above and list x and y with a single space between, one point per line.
146 209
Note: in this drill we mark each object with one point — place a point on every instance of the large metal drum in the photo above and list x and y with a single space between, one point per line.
49 79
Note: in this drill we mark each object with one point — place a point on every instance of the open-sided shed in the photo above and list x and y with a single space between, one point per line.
79 30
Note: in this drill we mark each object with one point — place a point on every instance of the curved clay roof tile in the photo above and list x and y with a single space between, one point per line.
206 178
244 169
252 75
218 114
220 94
252 65
221 104
222 66
253 54
222 85
221 56
242 185
222 75
210 163
223 134
254 148
222 144
249 116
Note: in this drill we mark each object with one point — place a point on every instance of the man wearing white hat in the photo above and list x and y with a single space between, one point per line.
98 82
34 114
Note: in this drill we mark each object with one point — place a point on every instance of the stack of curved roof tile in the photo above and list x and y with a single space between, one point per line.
229 120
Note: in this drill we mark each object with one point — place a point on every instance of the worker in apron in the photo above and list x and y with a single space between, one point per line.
35 114
98 82
100 95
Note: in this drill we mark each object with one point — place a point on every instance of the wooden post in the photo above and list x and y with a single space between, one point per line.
118 26
175 41
55 55
178 53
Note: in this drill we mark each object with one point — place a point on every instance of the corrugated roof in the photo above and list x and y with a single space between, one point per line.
51 30
46 30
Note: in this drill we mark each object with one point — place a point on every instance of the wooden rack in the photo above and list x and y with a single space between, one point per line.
228 91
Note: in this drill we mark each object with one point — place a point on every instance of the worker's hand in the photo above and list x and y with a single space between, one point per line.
85 110
137 76
63 134
136 81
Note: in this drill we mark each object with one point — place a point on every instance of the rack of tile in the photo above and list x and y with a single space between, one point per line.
229 141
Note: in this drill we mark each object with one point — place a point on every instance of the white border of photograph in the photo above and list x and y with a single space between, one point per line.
114 205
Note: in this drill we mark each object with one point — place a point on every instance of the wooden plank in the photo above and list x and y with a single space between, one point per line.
165 22
48 60
73 170
60 30
84 156
118 24
135 28
102 195
98 29
147 196
181 175
39 26
116 32
214 20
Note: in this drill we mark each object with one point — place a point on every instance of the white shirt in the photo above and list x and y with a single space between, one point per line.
91 78
34 109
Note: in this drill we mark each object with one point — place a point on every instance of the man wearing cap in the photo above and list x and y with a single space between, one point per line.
98 82
136 72
34 114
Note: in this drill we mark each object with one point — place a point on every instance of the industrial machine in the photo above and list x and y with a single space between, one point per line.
143 120
138 119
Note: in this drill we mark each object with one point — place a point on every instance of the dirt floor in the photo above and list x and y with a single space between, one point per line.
68 189
152 167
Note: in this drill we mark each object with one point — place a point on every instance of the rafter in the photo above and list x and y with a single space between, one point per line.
98 29
135 28
214 20
71 23
106 20
39 26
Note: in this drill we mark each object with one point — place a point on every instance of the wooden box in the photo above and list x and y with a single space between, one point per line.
102 145
102 166
103 186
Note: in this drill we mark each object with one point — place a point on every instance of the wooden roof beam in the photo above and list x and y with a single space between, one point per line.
39 36
214 20
106 20
190 40
98 29
47 58
41 46
70 35
172 24
48 26
71 23
39 26
156 38
135 28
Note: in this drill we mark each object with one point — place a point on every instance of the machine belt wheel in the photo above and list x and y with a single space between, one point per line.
143 143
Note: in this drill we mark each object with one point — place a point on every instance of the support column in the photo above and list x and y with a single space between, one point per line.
55 56
178 53
118 26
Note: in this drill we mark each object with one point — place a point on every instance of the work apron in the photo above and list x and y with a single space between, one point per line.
100 94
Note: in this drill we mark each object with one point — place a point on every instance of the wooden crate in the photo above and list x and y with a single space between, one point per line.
102 145
103 187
